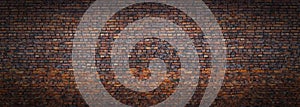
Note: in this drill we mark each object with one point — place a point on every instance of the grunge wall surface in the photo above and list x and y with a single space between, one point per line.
262 39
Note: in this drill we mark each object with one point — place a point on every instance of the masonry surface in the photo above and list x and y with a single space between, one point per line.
262 39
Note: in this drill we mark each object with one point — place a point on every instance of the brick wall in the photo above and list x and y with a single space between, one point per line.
262 39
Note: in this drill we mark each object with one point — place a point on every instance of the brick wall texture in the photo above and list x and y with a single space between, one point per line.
262 39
